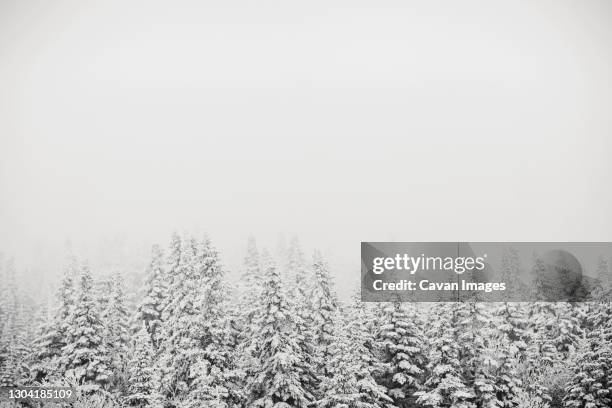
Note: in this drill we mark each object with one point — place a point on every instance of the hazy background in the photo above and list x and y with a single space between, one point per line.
338 121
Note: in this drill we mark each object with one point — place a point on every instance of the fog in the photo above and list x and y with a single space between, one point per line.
336 121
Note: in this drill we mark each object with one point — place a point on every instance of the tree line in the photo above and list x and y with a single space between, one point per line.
281 337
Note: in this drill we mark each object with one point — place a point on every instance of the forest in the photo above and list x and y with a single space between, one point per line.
280 336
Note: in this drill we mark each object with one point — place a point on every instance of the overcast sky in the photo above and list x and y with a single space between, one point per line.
338 121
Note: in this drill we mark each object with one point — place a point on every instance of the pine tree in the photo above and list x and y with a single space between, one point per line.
213 374
144 382
477 356
446 385
299 290
13 336
591 385
195 357
179 346
118 315
150 310
350 383
117 333
510 347
277 378
404 352
296 271
53 332
86 353
173 262
250 286
323 307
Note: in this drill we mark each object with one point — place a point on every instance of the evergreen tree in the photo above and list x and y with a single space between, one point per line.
363 325
350 383
250 286
213 374
477 357
510 347
117 333
296 271
144 380
591 385
13 336
277 379
173 264
179 346
404 353
323 307
53 332
446 385
86 353
150 310
299 290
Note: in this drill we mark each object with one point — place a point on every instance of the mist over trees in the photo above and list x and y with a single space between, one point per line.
280 336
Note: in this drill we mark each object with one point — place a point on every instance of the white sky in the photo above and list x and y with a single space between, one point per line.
338 121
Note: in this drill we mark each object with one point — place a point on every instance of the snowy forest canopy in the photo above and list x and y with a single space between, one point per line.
281 337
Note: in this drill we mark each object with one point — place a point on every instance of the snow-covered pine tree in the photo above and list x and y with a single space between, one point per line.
250 287
144 382
86 353
404 352
363 325
103 289
3 292
179 346
296 271
512 336
12 354
173 261
150 309
591 385
278 376
446 385
477 356
298 290
53 333
213 374
350 383
13 336
323 306
118 332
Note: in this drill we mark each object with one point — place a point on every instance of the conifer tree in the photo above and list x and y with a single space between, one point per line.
299 290
144 382
53 332
250 288
214 375
277 379
86 353
478 359
118 333
446 385
404 352
350 383
150 309
296 271
364 325
323 307
13 336
179 346
591 385
173 261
